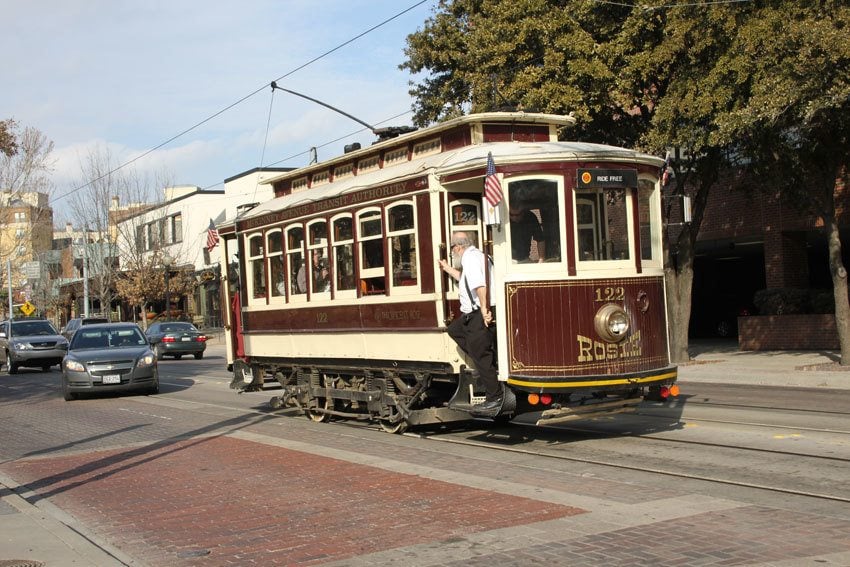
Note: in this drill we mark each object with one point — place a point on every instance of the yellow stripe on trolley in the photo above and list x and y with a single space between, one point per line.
614 382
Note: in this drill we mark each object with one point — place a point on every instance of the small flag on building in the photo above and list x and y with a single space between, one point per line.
212 236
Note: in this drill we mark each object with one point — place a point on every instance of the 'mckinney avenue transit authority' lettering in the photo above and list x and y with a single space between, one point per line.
596 351
400 315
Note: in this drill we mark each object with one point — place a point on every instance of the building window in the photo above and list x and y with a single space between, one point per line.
20 216
177 228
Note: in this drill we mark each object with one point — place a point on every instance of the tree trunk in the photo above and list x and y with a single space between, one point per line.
839 286
678 281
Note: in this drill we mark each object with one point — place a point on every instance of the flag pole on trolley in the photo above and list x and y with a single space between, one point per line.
492 193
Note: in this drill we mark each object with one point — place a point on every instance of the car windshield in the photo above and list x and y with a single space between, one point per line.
178 327
30 328
107 338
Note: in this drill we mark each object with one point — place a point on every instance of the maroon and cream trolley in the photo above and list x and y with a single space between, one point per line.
336 293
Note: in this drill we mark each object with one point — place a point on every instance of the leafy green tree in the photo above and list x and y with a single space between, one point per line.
630 75
787 73
8 143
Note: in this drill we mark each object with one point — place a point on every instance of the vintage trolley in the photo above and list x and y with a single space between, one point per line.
336 293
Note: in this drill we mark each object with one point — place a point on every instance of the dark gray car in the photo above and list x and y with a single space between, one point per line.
30 342
176 338
71 327
109 357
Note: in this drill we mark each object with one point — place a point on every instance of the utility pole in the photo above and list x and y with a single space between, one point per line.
85 272
9 275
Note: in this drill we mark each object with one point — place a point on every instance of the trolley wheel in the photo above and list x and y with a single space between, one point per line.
324 403
398 427
390 426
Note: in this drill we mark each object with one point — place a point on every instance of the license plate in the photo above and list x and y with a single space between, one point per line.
186 339
112 379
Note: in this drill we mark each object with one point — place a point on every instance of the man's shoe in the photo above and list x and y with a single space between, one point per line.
489 407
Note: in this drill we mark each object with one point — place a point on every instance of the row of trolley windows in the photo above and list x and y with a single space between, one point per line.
312 258
316 256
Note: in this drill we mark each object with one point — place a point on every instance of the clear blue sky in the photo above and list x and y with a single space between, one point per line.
128 75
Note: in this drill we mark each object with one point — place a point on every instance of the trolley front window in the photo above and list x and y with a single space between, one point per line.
602 224
535 221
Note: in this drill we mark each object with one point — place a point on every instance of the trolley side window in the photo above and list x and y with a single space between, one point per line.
317 244
343 253
371 251
602 224
257 266
401 235
650 224
295 261
535 221
274 252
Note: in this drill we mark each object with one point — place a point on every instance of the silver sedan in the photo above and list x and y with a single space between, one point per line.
107 358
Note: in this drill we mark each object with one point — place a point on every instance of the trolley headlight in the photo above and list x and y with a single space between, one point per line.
612 322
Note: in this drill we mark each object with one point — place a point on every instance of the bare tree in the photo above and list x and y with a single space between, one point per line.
112 208
25 166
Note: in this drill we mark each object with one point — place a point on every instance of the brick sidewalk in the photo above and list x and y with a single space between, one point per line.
310 497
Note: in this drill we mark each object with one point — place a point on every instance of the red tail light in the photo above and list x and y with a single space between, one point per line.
168 339
545 399
202 339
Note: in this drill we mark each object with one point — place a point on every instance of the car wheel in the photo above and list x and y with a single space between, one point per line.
199 355
45 368
160 352
13 366
69 396
178 356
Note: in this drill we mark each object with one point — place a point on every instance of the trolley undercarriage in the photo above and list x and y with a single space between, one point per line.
398 398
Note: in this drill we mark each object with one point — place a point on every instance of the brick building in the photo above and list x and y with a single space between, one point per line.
750 239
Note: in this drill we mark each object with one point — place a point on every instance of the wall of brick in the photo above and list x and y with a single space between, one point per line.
787 332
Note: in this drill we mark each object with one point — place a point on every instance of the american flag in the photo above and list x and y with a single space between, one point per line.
212 236
492 186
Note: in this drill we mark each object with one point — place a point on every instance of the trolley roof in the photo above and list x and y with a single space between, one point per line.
472 158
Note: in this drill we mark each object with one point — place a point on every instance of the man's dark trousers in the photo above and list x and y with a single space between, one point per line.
478 342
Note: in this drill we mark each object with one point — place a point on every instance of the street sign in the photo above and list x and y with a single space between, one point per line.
27 308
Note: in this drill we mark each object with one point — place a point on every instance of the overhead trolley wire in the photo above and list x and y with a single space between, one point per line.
240 101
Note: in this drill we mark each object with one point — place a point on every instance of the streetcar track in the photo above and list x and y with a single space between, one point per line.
621 466
760 407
